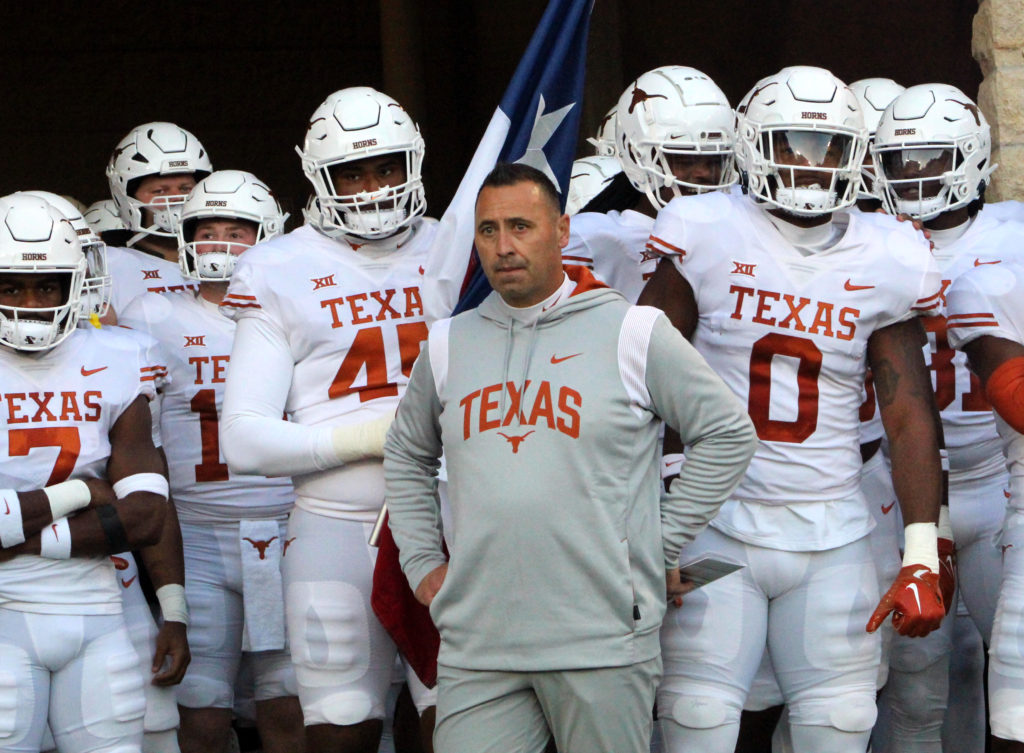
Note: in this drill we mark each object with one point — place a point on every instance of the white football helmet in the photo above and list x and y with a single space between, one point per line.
670 112
604 142
874 95
35 238
103 217
154 149
802 140
589 177
96 291
353 124
225 195
932 151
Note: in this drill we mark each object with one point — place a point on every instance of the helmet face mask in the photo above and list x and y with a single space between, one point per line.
239 206
802 141
39 252
157 151
358 129
932 152
674 134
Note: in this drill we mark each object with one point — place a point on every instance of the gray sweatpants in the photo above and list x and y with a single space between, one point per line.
586 710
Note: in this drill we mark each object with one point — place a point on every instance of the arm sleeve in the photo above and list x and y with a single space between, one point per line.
411 460
254 438
712 423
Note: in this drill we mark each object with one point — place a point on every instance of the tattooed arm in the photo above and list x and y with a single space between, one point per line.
907 403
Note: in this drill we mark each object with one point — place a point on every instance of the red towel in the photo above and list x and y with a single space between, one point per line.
406 620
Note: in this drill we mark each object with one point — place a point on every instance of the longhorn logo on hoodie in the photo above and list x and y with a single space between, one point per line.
557 408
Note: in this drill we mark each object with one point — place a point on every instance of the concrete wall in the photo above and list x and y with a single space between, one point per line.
998 46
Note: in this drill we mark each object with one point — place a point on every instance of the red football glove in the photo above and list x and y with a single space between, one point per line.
915 601
947 572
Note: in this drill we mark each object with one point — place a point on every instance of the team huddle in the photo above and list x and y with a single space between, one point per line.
195 398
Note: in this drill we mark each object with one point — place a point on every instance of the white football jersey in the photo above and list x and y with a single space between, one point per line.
1004 210
134 272
788 332
614 247
354 320
989 300
58 409
196 341
975 449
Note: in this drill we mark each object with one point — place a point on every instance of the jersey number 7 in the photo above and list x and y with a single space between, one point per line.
22 441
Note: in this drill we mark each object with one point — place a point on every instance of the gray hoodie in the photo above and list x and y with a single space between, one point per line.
551 438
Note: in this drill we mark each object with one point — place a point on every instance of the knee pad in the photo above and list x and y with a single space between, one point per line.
1007 718
848 712
320 706
700 712
200 691
273 675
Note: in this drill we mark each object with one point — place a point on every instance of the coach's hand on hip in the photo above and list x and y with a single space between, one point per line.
430 585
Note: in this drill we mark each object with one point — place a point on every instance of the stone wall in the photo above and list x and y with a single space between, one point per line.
998 46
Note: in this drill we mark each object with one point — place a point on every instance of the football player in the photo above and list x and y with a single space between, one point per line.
590 176
222 516
932 154
873 95
150 173
674 137
986 321
331 317
86 445
161 720
790 299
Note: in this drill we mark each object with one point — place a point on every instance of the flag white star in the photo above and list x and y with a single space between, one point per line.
544 127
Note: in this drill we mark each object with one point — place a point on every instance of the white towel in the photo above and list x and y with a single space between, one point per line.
262 591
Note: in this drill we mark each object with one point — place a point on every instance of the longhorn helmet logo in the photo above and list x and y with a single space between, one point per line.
639 95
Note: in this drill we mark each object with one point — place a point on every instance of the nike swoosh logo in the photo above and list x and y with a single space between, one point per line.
979 262
128 583
8 510
917 596
887 508
556 359
851 287
53 527
90 372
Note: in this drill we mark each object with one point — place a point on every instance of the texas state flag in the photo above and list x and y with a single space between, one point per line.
537 123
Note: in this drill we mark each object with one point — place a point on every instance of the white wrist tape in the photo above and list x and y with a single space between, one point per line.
172 603
945 527
944 460
361 441
921 546
12 532
671 464
154 483
67 497
55 540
